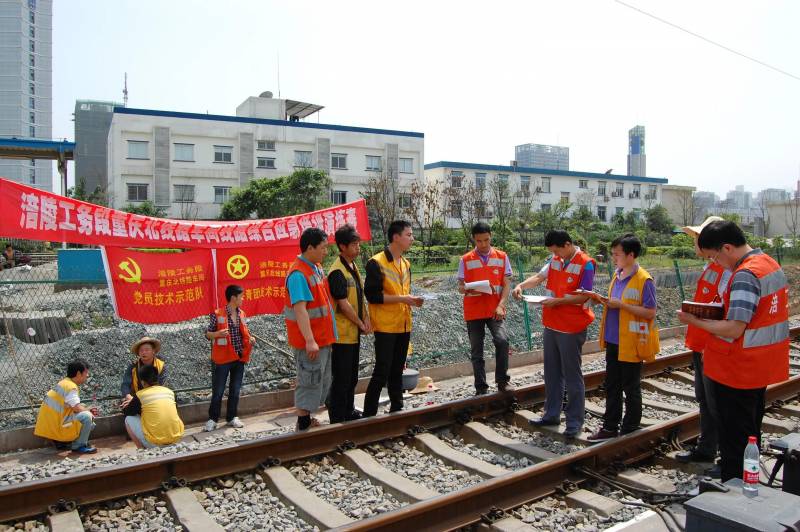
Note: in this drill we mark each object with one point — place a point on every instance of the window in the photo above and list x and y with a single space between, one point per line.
403 200
32 74
31 88
456 178
32 117
620 211
339 161
265 162
565 197
32 175
546 207
652 192
503 178
545 185
184 193
480 209
32 131
637 190
184 152
525 183
601 188
32 32
137 192
374 163
406 165
455 209
32 17
302 159
620 190
223 154
137 149
32 103
32 47
338 197
221 194
480 180
583 183
268 145
637 213
32 60
601 212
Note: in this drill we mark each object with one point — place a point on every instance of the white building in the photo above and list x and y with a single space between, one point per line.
534 188
190 162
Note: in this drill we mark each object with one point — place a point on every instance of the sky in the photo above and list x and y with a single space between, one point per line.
477 78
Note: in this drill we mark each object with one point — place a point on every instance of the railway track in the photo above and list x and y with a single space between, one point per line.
486 424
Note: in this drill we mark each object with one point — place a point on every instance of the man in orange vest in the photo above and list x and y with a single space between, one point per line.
486 309
310 325
749 349
565 317
710 287
230 351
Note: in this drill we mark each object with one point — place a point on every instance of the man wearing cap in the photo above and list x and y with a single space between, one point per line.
711 287
749 349
146 352
154 421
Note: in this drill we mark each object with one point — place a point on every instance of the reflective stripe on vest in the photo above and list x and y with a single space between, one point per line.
317 312
480 305
320 318
638 327
771 334
711 276
561 280
631 293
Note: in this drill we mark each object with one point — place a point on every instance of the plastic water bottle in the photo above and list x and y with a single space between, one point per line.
752 466
429 395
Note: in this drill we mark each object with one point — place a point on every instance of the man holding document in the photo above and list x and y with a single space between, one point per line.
566 316
483 278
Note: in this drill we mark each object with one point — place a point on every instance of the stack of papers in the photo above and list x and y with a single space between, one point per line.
479 286
534 299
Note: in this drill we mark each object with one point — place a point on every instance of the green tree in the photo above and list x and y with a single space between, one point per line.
731 217
658 220
78 192
146 208
304 190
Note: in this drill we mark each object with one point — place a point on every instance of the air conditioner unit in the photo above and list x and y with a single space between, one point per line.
538 189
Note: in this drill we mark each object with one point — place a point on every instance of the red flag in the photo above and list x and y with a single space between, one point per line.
262 274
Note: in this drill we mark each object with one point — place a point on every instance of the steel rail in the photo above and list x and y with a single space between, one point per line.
34 497
467 506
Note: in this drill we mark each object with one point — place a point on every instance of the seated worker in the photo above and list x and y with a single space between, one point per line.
158 422
146 351
62 418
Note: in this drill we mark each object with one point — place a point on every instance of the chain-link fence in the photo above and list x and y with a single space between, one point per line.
45 323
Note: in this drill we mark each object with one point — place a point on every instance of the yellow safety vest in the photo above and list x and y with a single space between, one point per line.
157 363
56 420
392 317
160 421
638 338
348 331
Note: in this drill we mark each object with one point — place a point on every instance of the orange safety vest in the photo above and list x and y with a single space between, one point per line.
482 306
707 292
222 351
319 310
760 356
561 281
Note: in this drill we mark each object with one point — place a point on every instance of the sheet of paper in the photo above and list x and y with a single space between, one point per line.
429 296
479 286
534 299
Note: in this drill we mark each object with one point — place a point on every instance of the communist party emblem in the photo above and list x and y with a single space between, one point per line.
238 266
131 272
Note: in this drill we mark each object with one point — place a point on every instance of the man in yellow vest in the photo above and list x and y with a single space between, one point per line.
387 287
62 417
352 320
629 333
146 352
158 423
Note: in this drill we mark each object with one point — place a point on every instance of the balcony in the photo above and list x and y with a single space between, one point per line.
633 195
617 194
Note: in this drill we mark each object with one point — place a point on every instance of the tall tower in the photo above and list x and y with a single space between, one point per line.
636 156
26 84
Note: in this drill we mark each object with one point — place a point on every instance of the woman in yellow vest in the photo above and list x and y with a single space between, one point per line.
630 336
62 417
146 351
158 423
352 320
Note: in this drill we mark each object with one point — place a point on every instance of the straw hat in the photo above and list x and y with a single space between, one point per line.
422 385
146 340
695 230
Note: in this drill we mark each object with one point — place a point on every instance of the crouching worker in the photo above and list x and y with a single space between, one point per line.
62 417
146 351
158 423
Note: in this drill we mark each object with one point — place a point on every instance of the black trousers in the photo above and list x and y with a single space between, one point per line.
707 442
738 414
391 350
344 370
622 377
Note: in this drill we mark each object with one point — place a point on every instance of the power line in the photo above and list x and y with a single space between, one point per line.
706 39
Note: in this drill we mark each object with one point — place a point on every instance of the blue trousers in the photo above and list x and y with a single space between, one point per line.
562 370
220 376
86 428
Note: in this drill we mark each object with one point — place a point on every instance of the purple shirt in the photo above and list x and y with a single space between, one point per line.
612 316
484 260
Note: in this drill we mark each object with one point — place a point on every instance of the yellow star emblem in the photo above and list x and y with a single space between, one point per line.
238 266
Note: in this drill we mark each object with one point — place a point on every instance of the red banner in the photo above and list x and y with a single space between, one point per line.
262 274
33 214
160 287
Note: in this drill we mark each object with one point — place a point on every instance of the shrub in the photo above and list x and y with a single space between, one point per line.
681 253
682 240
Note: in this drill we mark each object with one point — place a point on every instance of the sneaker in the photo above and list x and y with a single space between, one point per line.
236 423
210 425
692 456
85 449
602 435
571 434
542 422
505 387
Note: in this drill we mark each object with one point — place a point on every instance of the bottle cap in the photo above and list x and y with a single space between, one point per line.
751 439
